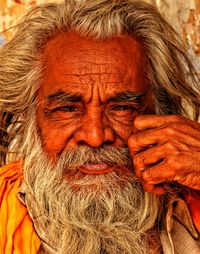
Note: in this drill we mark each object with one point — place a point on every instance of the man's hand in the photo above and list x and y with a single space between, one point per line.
165 149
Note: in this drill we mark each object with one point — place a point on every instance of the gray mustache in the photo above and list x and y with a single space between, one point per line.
83 155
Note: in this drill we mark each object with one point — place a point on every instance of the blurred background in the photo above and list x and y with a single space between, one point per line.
184 15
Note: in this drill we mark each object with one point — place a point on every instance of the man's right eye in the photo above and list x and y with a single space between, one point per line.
66 109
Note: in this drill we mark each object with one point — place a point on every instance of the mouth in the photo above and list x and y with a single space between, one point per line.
96 168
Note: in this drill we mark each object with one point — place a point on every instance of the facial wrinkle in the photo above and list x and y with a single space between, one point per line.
79 66
95 89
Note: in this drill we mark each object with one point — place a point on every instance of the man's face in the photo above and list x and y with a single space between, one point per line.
91 93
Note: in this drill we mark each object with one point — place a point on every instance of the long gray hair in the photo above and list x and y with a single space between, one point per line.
171 75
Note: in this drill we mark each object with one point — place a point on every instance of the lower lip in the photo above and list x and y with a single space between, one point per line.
96 169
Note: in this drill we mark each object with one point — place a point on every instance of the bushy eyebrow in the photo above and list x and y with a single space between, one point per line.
62 97
126 96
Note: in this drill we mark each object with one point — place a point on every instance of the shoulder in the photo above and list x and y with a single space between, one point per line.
10 180
10 170
16 227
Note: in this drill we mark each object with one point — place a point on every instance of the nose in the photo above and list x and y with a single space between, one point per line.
94 131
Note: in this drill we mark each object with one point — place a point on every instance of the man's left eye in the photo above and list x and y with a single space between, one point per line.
122 108
121 111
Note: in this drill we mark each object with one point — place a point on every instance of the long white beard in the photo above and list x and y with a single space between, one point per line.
89 214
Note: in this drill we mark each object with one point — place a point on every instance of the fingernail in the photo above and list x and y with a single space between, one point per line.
141 168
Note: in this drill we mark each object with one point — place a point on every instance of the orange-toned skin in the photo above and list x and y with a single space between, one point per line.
97 71
177 148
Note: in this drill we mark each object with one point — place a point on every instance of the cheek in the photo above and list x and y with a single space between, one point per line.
123 128
53 140
55 135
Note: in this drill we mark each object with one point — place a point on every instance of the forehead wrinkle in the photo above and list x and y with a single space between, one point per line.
102 92
113 65
82 79
107 71
86 67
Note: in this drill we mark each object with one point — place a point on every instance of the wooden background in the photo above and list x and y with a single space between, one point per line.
183 14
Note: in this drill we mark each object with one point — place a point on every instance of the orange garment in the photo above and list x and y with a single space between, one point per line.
192 199
17 234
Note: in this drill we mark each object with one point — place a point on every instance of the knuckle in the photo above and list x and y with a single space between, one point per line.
171 146
174 162
136 139
171 160
131 145
132 142
170 131
147 176
138 161
178 165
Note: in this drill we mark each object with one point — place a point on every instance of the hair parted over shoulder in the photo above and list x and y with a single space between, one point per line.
170 72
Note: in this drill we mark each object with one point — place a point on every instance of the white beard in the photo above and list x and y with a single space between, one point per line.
89 214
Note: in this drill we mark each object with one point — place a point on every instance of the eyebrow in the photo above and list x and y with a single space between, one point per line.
126 96
61 96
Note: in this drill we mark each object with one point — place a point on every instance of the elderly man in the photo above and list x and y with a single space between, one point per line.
105 162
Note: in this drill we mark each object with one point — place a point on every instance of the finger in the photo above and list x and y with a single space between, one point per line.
138 173
183 169
145 139
152 121
160 173
155 189
176 122
190 128
147 187
153 155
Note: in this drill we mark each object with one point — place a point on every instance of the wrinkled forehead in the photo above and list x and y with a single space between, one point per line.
75 60
72 45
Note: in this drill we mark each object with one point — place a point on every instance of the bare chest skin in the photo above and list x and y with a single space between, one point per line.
91 92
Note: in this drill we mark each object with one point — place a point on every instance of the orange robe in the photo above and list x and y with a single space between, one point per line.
17 234
192 200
